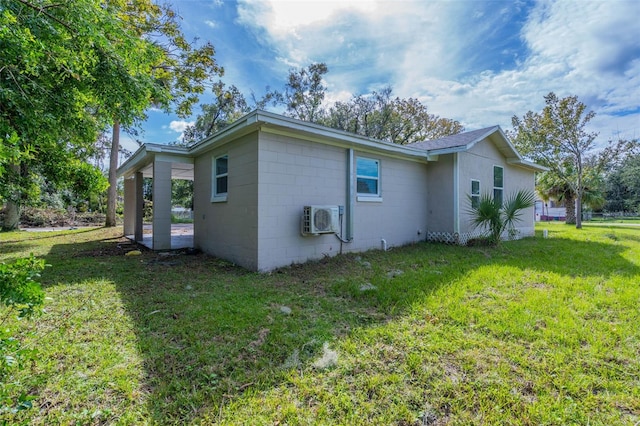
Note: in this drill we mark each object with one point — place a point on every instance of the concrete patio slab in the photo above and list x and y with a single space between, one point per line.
181 236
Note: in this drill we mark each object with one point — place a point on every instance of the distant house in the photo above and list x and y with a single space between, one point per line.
270 191
550 211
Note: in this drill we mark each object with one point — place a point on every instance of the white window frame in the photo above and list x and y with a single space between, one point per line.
365 196
475 197
217 197
498 188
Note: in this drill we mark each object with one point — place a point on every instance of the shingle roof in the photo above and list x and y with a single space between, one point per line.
461 139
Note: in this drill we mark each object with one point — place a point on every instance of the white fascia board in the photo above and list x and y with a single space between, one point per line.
173 158
363 146
443 151
510 146
238 128
146 154
527 165
488 133
136 161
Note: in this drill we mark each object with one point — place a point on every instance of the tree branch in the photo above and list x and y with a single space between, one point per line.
47 14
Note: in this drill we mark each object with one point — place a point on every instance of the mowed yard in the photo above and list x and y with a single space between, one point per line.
537 331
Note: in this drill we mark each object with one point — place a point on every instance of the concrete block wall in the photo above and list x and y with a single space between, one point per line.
440 178
401 217
294 173
229 229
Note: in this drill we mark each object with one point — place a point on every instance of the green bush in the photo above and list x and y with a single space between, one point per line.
22 295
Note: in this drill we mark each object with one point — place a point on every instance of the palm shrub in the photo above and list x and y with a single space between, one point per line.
496 218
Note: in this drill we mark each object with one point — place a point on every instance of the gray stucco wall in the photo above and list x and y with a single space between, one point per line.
440 176
477 163
229 229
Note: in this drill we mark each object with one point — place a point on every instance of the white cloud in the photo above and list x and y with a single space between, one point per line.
180 125
211 24
436 51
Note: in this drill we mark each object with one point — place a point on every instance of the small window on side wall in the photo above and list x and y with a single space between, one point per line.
368 177
220 177
498 183
475 193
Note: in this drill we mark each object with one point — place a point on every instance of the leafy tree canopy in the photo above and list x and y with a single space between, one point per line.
377 115
623 186
558 138
228 106
68 70
180 71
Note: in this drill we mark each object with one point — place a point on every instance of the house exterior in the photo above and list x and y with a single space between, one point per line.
268 187
547 211
470 164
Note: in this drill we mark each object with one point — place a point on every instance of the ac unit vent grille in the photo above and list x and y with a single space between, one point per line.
320 220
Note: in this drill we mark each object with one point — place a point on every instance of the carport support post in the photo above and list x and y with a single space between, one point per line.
161 205
139 208
133 206
129 206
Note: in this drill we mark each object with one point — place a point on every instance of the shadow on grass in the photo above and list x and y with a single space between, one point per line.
209 331
28 240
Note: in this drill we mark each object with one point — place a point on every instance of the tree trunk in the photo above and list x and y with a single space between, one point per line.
579 212
12 207
112 192
570 206
11 216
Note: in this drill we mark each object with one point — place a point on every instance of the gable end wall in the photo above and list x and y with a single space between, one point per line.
477 163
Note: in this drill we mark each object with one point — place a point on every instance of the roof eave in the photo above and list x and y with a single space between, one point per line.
267 121
527 164
144 155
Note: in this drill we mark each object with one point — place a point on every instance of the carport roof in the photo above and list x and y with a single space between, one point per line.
142 161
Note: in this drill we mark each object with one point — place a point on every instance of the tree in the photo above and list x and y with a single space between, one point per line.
304 92
67 71
623 185
377 115
380 116
498 217
229 105
179 72
557 138
550 187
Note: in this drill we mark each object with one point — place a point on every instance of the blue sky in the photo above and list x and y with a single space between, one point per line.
479 62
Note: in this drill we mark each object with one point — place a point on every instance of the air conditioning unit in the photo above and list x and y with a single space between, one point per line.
320 220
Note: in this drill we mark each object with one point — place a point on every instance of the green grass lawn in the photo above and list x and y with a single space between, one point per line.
537 331
609 220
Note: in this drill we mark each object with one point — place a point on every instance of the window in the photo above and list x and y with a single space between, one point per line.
475 193
368 177
498 183
220 177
